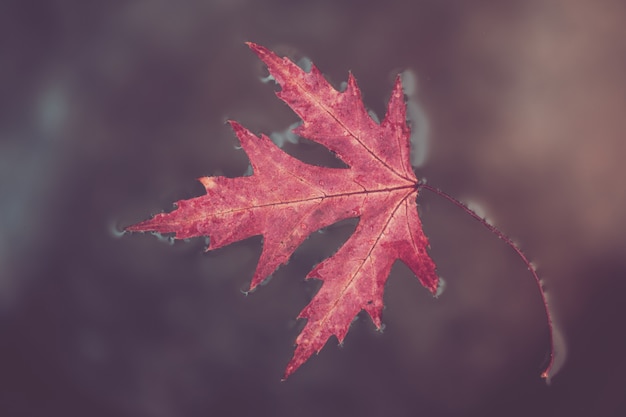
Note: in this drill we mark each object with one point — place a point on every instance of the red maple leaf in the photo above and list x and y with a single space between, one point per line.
285 200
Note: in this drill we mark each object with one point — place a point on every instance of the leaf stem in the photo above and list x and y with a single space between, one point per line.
546 373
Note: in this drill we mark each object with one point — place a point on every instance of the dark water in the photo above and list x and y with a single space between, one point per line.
110 110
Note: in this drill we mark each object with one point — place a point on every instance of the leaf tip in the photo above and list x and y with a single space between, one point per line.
256 281
143 226
261 51
292 366
239 130
208 182
234 124
304 350
256 48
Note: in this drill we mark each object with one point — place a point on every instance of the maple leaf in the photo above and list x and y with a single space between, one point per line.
285 200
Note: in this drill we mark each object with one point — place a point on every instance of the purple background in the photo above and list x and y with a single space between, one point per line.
110 110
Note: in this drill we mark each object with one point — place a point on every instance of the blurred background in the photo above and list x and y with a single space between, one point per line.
110 110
